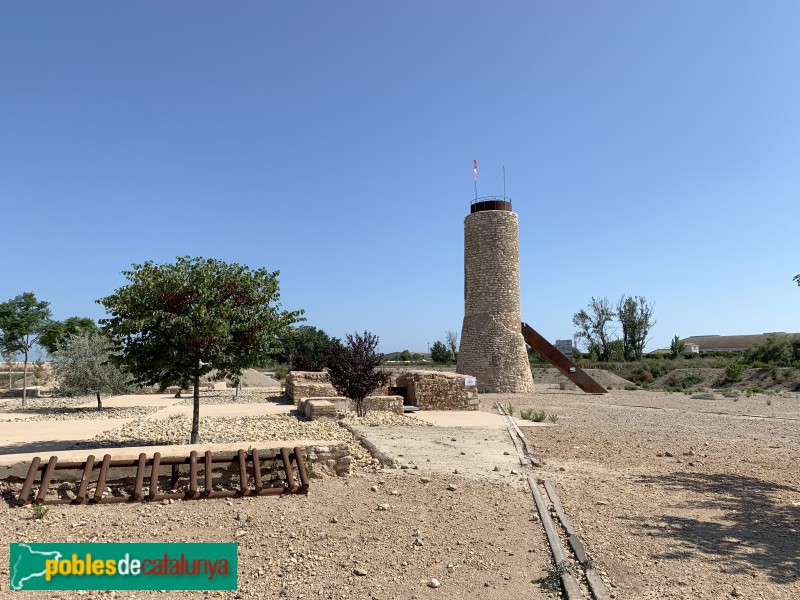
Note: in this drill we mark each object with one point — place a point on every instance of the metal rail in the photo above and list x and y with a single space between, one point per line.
280 479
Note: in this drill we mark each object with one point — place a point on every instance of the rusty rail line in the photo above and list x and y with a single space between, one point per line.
249 467
517 437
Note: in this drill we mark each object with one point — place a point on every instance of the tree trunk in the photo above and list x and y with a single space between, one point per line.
9 376
25 379
99 402
196 408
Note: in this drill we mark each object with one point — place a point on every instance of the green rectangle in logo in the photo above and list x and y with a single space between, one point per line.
120 566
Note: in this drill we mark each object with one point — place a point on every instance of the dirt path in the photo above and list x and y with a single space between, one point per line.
679 498
673 497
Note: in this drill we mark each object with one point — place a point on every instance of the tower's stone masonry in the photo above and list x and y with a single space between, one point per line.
492 347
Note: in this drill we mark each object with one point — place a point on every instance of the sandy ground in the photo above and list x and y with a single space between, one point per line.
673 497
678 497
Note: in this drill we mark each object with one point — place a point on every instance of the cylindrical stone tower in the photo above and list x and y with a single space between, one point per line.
492 347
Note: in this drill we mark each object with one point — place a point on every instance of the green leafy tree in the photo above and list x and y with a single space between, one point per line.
58 333
797 279
594 326
778 350
306 348
352 367
675 347
23 320
407 356
84 366
440 353
176 322
636 319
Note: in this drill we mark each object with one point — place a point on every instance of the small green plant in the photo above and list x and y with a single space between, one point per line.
39 510
309 467
554 418
280 373
703 396
731 394
631 388
529 414
552 581
734 372
511 409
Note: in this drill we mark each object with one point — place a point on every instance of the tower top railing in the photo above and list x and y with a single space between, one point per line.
490 203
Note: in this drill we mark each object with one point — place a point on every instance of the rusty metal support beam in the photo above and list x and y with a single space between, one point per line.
568 368
26 487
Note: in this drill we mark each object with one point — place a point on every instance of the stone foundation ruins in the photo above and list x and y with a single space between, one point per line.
427 390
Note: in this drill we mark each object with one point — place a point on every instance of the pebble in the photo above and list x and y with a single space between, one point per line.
424 479
434 583
451 487
384 506
359 572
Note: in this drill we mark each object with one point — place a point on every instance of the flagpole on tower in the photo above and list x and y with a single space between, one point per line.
475 173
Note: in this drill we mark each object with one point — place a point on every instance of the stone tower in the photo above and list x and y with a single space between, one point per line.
492 347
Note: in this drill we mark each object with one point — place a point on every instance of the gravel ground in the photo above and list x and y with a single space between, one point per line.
335 544
228 396
674 497
177 429
678 497
45 402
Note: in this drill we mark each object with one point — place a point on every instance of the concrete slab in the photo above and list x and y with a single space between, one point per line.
47 436
226 410
137 400
459 418
469 418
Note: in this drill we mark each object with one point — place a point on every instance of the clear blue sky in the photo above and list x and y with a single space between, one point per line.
651 148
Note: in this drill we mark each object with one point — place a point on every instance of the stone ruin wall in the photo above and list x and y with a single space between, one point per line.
429 390
308 384
492 348
435 390
316 384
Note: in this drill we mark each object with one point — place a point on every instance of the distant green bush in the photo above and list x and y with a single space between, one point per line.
734 372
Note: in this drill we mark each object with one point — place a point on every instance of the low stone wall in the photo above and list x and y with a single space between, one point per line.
431 390
392 404
315 407
333 460
308 384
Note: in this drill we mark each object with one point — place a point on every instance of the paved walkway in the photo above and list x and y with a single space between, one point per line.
469 418
47 436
